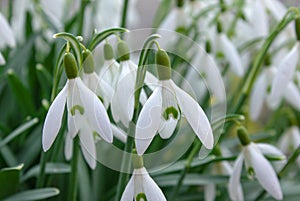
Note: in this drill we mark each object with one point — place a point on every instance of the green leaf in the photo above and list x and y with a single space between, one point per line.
18 131
98 38
22 94
190 180
74 44
9 180
44 78
36 194
51 168
163 10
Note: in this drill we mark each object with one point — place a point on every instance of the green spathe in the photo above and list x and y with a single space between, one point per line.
163 65
70 65
123 51
88 62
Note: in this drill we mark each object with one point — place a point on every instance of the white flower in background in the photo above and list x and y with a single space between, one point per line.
285 73
290 141
6 36
93 82
141 186
162 110
123 99
111 68
260 95
86 114
257 165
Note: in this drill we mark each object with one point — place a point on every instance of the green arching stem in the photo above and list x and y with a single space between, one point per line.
73 175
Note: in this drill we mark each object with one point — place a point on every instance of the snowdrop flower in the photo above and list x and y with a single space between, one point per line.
123 99
86 114
259 95
257 165
111 68
290 141
92 80
162 110
285 73
141 186
6 36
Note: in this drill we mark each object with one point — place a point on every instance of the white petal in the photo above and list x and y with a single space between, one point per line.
149 121
95 112
264 172
53 119
128 194
234 185
167 128
276 8
270 150
6 33
152 191
232 55
72 127
286 70
292 95
258 96
195 116
210 192
2 60
106 92
115 108
68 147
88 146
118 133
260 20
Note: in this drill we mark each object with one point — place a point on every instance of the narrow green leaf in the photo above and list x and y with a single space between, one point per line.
98 38
163 10
19 131
74 44
51 168
22 94
9 180
44 78
36 194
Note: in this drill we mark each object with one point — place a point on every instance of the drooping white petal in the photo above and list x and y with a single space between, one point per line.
195 116
270 150
110 72
264 171
88 146
260 20
276 8
2 60
6 33
118 133
286 70
128 194
258 96
231 55
72 127
115 108
68 147
167 128
53 119
234 186
292 95
95 112
210 192
149 121
152 191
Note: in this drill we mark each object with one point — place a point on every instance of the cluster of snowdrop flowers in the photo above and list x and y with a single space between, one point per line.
257 165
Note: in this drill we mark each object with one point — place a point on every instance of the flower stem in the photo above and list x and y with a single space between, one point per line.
83 5
41 177
73 176
124 14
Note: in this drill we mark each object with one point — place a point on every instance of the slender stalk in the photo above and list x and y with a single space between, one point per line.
73 176
280 174
83 5
41 177
124 14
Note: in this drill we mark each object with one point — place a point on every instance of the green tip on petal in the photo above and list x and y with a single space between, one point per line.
170 111
123 51
108 52
137 160
163 65
88 62
219 27
141 197
243 136
70 65
180 3
208 46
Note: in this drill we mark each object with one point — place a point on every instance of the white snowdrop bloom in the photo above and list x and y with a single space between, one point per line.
6 36
257 165
176 19
290 141
259 95
141 186
93 82
123 98
285 73
86 114
162 110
